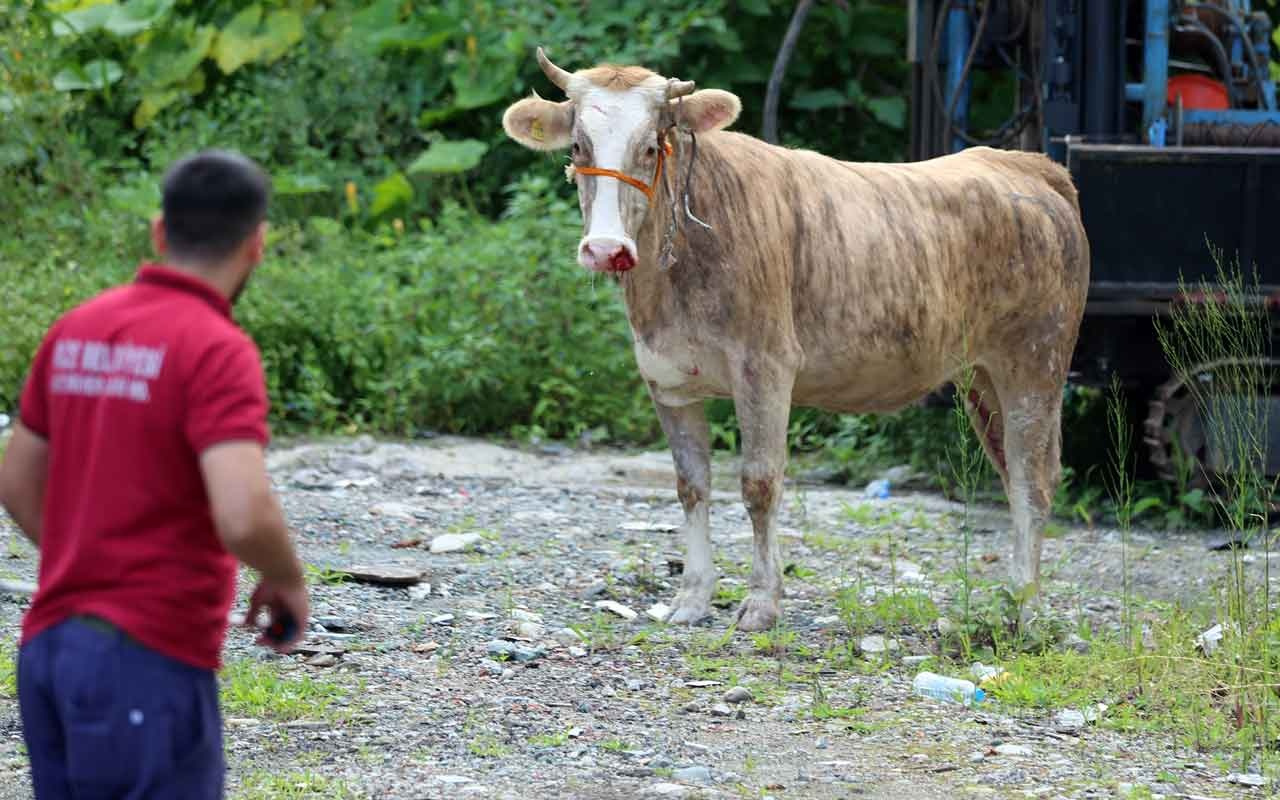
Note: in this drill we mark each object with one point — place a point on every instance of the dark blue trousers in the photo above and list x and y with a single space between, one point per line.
104 717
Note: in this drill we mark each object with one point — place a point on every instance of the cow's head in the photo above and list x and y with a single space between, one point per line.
618 123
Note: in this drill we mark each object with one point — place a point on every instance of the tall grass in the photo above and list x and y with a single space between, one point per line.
1218 344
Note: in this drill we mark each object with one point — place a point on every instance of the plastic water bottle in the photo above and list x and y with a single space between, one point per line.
948 690
878 489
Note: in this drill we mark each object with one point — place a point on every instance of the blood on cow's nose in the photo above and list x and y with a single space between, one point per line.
606 255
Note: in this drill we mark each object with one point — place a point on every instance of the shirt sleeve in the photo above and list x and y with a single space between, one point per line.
227 397
33 405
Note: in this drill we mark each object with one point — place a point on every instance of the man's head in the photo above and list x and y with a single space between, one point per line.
213 218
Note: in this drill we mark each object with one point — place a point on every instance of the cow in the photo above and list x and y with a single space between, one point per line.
782 277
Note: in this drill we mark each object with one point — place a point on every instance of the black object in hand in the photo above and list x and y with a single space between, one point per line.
282 628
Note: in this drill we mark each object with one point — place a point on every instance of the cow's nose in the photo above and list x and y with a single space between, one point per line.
607 254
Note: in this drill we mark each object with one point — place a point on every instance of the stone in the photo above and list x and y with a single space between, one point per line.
420 592
515 652
529 630
738 694
388 575
1069 719
874 644
1247 779
492 667
566 637
666 790
442 619
594 590
321 660
616 608
394 510
914 661
1017 750
658 612
649 527
721 710
577 652
454 542
1076 643
525 616
694 774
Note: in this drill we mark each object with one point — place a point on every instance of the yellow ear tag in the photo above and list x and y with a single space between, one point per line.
535 131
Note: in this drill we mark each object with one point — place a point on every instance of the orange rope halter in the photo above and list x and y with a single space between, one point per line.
648 188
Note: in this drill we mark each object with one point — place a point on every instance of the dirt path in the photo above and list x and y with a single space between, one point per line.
400 696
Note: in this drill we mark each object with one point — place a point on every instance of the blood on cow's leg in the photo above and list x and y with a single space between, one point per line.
762 399
689 435
987 418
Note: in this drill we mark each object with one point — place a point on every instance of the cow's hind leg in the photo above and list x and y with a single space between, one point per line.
982 403
690 439
1032 426
762 400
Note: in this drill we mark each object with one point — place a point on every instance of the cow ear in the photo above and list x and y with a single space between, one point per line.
707 110
540 124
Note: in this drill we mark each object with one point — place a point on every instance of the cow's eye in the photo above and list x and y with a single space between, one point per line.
576 150
651 151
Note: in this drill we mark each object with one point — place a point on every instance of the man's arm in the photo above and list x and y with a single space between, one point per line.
22 479
252 527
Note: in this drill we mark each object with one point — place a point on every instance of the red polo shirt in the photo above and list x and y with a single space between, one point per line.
128 389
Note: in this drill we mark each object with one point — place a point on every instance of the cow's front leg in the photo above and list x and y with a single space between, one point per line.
763 402
689 436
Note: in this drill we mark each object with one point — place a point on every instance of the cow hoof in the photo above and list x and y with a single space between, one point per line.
757 613
690 614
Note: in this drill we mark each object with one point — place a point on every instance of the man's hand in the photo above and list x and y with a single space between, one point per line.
252 527
280 602
22 479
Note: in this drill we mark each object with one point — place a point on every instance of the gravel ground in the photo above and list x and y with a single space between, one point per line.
421 708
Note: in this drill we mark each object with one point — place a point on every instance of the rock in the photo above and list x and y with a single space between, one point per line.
649 527
525 616
454 542
821 743
389 575
616 608
1069 720
529 630
634 684
658 612
577 652
420 592
721 710
584 707
1209 640
510 650
737 694
566 637
492 667
331 623
697 748
1247 779
1074 642
944 626
874 644
394 510
321 660
594 590
453 780
913 661
823 622
442 619
666 790
1016 750
694 774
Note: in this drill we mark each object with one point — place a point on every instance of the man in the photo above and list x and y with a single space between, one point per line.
137 469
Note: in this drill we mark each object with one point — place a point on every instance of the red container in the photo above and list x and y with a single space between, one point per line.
1199 92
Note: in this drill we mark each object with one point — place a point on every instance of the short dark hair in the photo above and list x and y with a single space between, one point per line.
212 201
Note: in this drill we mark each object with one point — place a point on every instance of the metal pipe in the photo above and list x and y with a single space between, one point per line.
958 36
1192 25
1155 73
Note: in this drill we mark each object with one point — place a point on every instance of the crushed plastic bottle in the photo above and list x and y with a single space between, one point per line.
948 690
878 489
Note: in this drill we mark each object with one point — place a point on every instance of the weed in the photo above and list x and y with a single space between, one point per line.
615 745
255 689
8 670
487 746
559 739
326 576
268 785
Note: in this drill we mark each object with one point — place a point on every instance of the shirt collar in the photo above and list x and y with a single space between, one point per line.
161 275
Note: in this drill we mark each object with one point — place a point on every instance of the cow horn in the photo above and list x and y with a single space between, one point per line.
676 88
555 74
